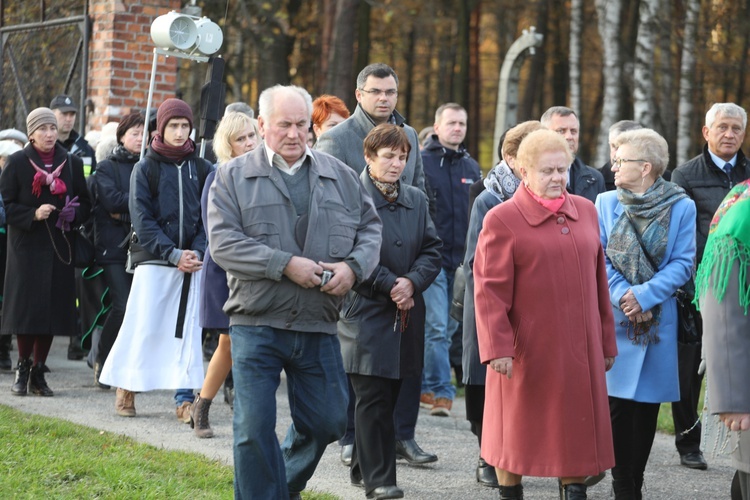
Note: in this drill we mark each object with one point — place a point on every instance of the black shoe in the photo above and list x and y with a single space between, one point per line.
75 351
359 483
592 480
346 454
486 475
410 451
575 491
511 492
21 382
383 492
694 460
37 384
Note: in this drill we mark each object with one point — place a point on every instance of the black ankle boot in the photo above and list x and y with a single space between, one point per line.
37 384
21 383
511 492
575 491
624 489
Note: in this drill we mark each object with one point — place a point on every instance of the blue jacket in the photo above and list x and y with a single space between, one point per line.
649 374
170 222
449 175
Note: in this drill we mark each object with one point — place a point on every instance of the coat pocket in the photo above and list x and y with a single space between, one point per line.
341 241
266 233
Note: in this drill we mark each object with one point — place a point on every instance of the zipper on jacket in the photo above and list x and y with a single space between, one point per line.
179 191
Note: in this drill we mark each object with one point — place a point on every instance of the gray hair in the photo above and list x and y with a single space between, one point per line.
556 110
726 109
265 101
618 128
240 107
651 147
378 70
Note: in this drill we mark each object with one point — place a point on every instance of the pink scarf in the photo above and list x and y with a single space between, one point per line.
551 205
44 178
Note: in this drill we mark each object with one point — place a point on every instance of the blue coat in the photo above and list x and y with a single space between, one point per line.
649 374
214 287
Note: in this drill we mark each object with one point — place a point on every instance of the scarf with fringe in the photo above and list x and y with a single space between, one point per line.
728 242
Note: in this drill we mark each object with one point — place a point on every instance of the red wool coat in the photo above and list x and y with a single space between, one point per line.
542 298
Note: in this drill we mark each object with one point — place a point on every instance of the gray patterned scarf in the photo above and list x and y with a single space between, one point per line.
651 212
501 181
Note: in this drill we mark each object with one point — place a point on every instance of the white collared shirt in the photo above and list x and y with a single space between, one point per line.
289 170
719 162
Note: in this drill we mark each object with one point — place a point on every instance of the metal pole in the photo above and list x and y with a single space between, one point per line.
148 105
203 148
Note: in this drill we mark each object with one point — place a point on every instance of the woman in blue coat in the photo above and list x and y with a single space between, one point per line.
647 230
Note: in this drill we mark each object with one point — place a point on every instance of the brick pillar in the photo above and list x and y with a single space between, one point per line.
121 55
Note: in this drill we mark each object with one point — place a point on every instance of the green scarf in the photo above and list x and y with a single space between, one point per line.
728 241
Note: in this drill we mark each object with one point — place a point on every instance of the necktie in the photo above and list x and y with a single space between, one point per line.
728 169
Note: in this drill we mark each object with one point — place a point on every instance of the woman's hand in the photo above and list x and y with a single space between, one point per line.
43 211
640 317
503 366
406 304
189 262
402 289
736 421
629 304
609 362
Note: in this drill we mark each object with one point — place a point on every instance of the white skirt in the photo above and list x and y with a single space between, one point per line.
146 355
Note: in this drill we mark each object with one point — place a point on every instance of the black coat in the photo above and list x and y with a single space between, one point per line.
39 294
369 343
112 188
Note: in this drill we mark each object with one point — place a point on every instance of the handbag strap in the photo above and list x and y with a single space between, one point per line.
650 259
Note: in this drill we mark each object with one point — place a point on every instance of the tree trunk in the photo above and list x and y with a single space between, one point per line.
666 103
328 10
475 81
574 60
341 76
363 42
687 74
609 16
643 70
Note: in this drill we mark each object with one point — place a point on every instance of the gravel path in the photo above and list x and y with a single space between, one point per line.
451 477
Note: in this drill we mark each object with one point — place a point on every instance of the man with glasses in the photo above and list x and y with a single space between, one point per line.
582 179
377 95
707 179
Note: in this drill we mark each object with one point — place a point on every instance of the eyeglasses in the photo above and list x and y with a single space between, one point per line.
620 161
377 92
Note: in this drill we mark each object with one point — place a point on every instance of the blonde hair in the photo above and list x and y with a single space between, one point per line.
232 124
517 134
538 142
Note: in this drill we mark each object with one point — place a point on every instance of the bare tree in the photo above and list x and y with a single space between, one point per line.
574 59
643 71
609 16
687 74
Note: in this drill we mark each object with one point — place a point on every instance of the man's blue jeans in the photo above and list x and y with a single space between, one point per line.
317 391
438 331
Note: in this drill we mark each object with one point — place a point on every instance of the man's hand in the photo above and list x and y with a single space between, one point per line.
609 362
736 421
343 278
503 365
402 291
189 262
303 271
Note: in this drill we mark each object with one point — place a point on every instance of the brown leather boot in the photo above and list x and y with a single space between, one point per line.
199 418
37 383
125 403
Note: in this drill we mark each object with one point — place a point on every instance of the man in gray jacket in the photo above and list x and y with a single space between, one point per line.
295 230
377 95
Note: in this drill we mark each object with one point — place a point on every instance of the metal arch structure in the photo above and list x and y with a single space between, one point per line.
81 54
507 92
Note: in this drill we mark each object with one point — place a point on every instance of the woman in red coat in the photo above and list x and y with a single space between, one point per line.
545 327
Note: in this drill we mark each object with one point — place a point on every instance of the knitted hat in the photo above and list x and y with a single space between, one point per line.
172 108
39 117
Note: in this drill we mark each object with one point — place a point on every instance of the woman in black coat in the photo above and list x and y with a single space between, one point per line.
112 222
382 324
45 196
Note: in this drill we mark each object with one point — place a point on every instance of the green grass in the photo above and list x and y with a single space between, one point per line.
665 423
47 457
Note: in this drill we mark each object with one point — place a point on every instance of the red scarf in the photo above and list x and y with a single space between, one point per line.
44 177
172 153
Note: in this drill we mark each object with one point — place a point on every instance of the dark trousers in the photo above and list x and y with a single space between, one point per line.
119 282
405 414
474 395
633 431
687 427
374 455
